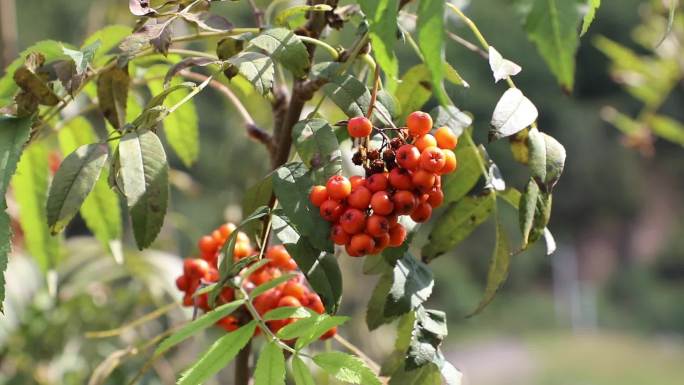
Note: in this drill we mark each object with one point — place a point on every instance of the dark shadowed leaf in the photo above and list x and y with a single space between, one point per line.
347 368
50 49
255 67
112 93
5 249
456 224
33 79
219 354
411 286
318 148
498 268
72 183
456 185
209 22
14 133
144 177
534 213
375 311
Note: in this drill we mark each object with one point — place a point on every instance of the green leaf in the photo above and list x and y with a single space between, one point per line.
667 128
144 175
451 117
196 326
257 68
286 48
283 16
287 312
321 270
534 213
50 49
593 6
109 38
292 184
375 311
430 30
318 148
72 183
425 375
219 354
498 268
513 112
552 26
547 159
112 94
457 184
411 286
382 17
322 325
264 287
346 367
5 250
30 191
14 133
270 368
457 223
375 264
82 58
414 90
255 197
300 372
100 210
180 128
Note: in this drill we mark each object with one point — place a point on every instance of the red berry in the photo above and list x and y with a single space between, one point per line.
338 235
359 127
357 181
422 212
400 179
353 221
278 256
397 235
329 334
404 202
377 182
450 162
381 243
408 156
226 229
362 244
432 159
182 283
338 187
229 323
290 301
318 195
331 210
315 303
267 301
296 290
425 141
419 123
435 197
422 179
359 198
381 203
377 225
446 139
207 245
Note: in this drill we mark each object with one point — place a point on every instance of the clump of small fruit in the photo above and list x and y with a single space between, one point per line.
403 177
203 271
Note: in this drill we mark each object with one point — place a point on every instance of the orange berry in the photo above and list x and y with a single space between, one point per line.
377 225
278 256
359 127
381 243
450 163
338 235
207 245
381 203
400 179
432 159
267 301
318 195
435 197
446 139
331 210
353 221
229 323
362 244
404 202
357 181
408 156
419 123
397 235
226 229
338 187
359 198
315 303
422 212
425 141
378 182
241 250
289 301
296 290
182 283
422 179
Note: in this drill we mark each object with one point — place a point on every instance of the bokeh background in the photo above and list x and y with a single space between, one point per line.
605 309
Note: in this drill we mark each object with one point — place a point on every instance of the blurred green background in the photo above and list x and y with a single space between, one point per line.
605 309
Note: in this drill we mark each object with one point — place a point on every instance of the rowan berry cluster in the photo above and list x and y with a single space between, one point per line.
403 177
203 271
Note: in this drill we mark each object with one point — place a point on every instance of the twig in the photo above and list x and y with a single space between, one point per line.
146 318
258 14
468 45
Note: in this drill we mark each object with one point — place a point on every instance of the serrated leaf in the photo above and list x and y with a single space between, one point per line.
345 367
100 210
72 183
513 112
552 26
264 287
83 57
429 331
457 184
592 7
112 94
14 133
321 270
257 68
5 249
286 48
145 184
287 312
451 117
109 38
382 19
291 184
197 325
375 311
181 127
318 148
30 191
456 224
219 354
323 324
300 372
498 268
501 68
411 286
430 31
270 368
50 49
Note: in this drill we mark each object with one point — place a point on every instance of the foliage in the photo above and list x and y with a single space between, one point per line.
277 60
